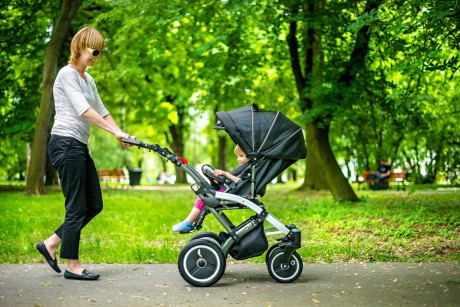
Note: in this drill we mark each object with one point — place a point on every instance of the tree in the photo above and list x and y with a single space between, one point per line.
363 84
412 66
184 62
22 40
317 102
36 170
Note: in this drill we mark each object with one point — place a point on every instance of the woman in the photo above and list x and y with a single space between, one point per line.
77 105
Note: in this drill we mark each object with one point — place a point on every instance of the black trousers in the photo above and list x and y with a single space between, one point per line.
378 179
81 188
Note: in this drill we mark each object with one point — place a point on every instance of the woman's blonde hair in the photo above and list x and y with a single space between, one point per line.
85 38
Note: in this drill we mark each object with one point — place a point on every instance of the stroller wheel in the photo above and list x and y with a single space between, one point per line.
210 236
201 263
284 274
270 251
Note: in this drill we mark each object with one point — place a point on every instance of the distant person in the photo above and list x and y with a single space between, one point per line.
77 105
384 171
163 178
187 224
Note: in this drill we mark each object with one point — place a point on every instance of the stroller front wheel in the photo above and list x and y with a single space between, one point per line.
269 252
201 263
287 273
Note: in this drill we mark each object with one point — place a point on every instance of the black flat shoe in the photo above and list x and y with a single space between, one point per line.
52 262
85 275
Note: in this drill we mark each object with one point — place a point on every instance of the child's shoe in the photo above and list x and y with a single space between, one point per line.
184 226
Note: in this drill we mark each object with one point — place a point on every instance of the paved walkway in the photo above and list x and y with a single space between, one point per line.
376 284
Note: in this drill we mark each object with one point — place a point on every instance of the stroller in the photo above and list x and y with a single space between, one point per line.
272 143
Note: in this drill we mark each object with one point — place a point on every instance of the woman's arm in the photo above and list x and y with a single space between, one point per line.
106 123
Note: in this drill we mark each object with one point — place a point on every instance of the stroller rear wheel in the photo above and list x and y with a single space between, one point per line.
208 235
284 274
201 263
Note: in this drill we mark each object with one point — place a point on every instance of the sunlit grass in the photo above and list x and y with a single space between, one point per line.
135 226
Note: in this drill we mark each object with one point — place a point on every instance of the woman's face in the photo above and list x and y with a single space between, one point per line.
87 58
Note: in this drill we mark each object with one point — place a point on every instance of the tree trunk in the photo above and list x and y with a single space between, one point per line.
52 177
222 164
322 170
321 152
418 177
36 171
314 175
177 134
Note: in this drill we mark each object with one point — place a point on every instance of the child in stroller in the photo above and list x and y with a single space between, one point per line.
272 143
187 225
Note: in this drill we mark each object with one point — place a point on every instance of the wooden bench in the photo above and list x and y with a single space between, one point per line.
111 175
398 177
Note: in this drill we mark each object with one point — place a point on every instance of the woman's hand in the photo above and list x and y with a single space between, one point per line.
123 135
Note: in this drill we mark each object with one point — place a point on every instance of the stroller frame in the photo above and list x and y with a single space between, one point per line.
202 260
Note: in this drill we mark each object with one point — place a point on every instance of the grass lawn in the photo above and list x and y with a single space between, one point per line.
135 226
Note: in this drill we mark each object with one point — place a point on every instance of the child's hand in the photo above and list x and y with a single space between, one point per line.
219 172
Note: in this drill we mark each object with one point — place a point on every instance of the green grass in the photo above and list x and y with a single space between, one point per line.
135 226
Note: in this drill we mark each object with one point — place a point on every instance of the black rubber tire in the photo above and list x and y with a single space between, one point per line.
284 275
210 236
270 251
201 263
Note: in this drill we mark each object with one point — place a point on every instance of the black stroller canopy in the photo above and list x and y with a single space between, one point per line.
262 133
268 138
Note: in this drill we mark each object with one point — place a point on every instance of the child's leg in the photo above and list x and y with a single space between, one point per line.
186 225
193 215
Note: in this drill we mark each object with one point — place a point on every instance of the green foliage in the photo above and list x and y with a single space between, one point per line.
397 112
106 151
23 38
13 156
135 226
171 64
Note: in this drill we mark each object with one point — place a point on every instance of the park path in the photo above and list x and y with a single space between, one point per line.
356 284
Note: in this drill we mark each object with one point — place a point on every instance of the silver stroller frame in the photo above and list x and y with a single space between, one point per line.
202 260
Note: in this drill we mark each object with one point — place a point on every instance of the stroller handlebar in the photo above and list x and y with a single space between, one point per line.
165 152
178 161
208 170
131 141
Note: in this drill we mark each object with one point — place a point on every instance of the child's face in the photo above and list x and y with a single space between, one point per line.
241 157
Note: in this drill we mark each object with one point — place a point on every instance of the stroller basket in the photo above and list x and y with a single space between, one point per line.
253 244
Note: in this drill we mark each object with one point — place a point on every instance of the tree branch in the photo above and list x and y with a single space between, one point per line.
294 56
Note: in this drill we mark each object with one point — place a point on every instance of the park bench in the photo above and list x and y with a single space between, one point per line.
111 175
396 177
